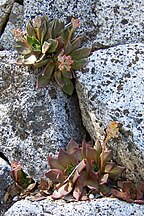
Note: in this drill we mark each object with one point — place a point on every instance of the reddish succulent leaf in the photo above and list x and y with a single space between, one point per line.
140 186
77 154
54 164
122 195
72 145
55 175
91 155
77 190
139 201
104 179
81 166
116 171
65 159
45 184
62 190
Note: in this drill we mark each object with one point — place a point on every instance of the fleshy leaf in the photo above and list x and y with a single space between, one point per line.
41 63
55 175
48 70
67 74
80 53
23 50
53 46
45 47
65 159
57 27
63 190
42 81
81 166
107 156
30 29
98 147
68 87
54 163
72 145
58 78
116 171
66 32
30 60
79 64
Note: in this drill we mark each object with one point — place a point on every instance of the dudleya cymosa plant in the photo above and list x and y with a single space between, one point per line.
52 45
81 168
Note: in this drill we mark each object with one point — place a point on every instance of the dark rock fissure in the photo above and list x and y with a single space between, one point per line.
4 158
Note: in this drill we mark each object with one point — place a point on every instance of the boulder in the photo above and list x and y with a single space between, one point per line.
103 206
103 22
111 88
5 9
34 122
5 181
5 177
15 21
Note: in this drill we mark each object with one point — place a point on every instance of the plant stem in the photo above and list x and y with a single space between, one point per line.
103 150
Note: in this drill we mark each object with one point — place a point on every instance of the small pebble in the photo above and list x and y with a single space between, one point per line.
91 196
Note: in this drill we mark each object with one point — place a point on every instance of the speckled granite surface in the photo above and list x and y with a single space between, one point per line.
99 207
111 88
34 122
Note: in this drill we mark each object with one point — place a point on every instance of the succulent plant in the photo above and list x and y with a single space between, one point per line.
79 168
52 45
130 192
23 181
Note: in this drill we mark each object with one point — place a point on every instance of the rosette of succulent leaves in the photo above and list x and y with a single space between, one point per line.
79 170
52 46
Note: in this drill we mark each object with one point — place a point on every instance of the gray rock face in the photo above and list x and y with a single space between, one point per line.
5 178
104 206
15 22
5 9
111 88
34 122
104 22
119 22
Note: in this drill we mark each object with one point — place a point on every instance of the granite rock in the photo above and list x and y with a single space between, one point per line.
5 178
99 207
34 122
5 9
103 22
111 88
15 21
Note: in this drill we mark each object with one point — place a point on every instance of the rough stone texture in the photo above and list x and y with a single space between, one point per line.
120 21
104 22
15 21
99 207
5 178
5 9
111 88
35 122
